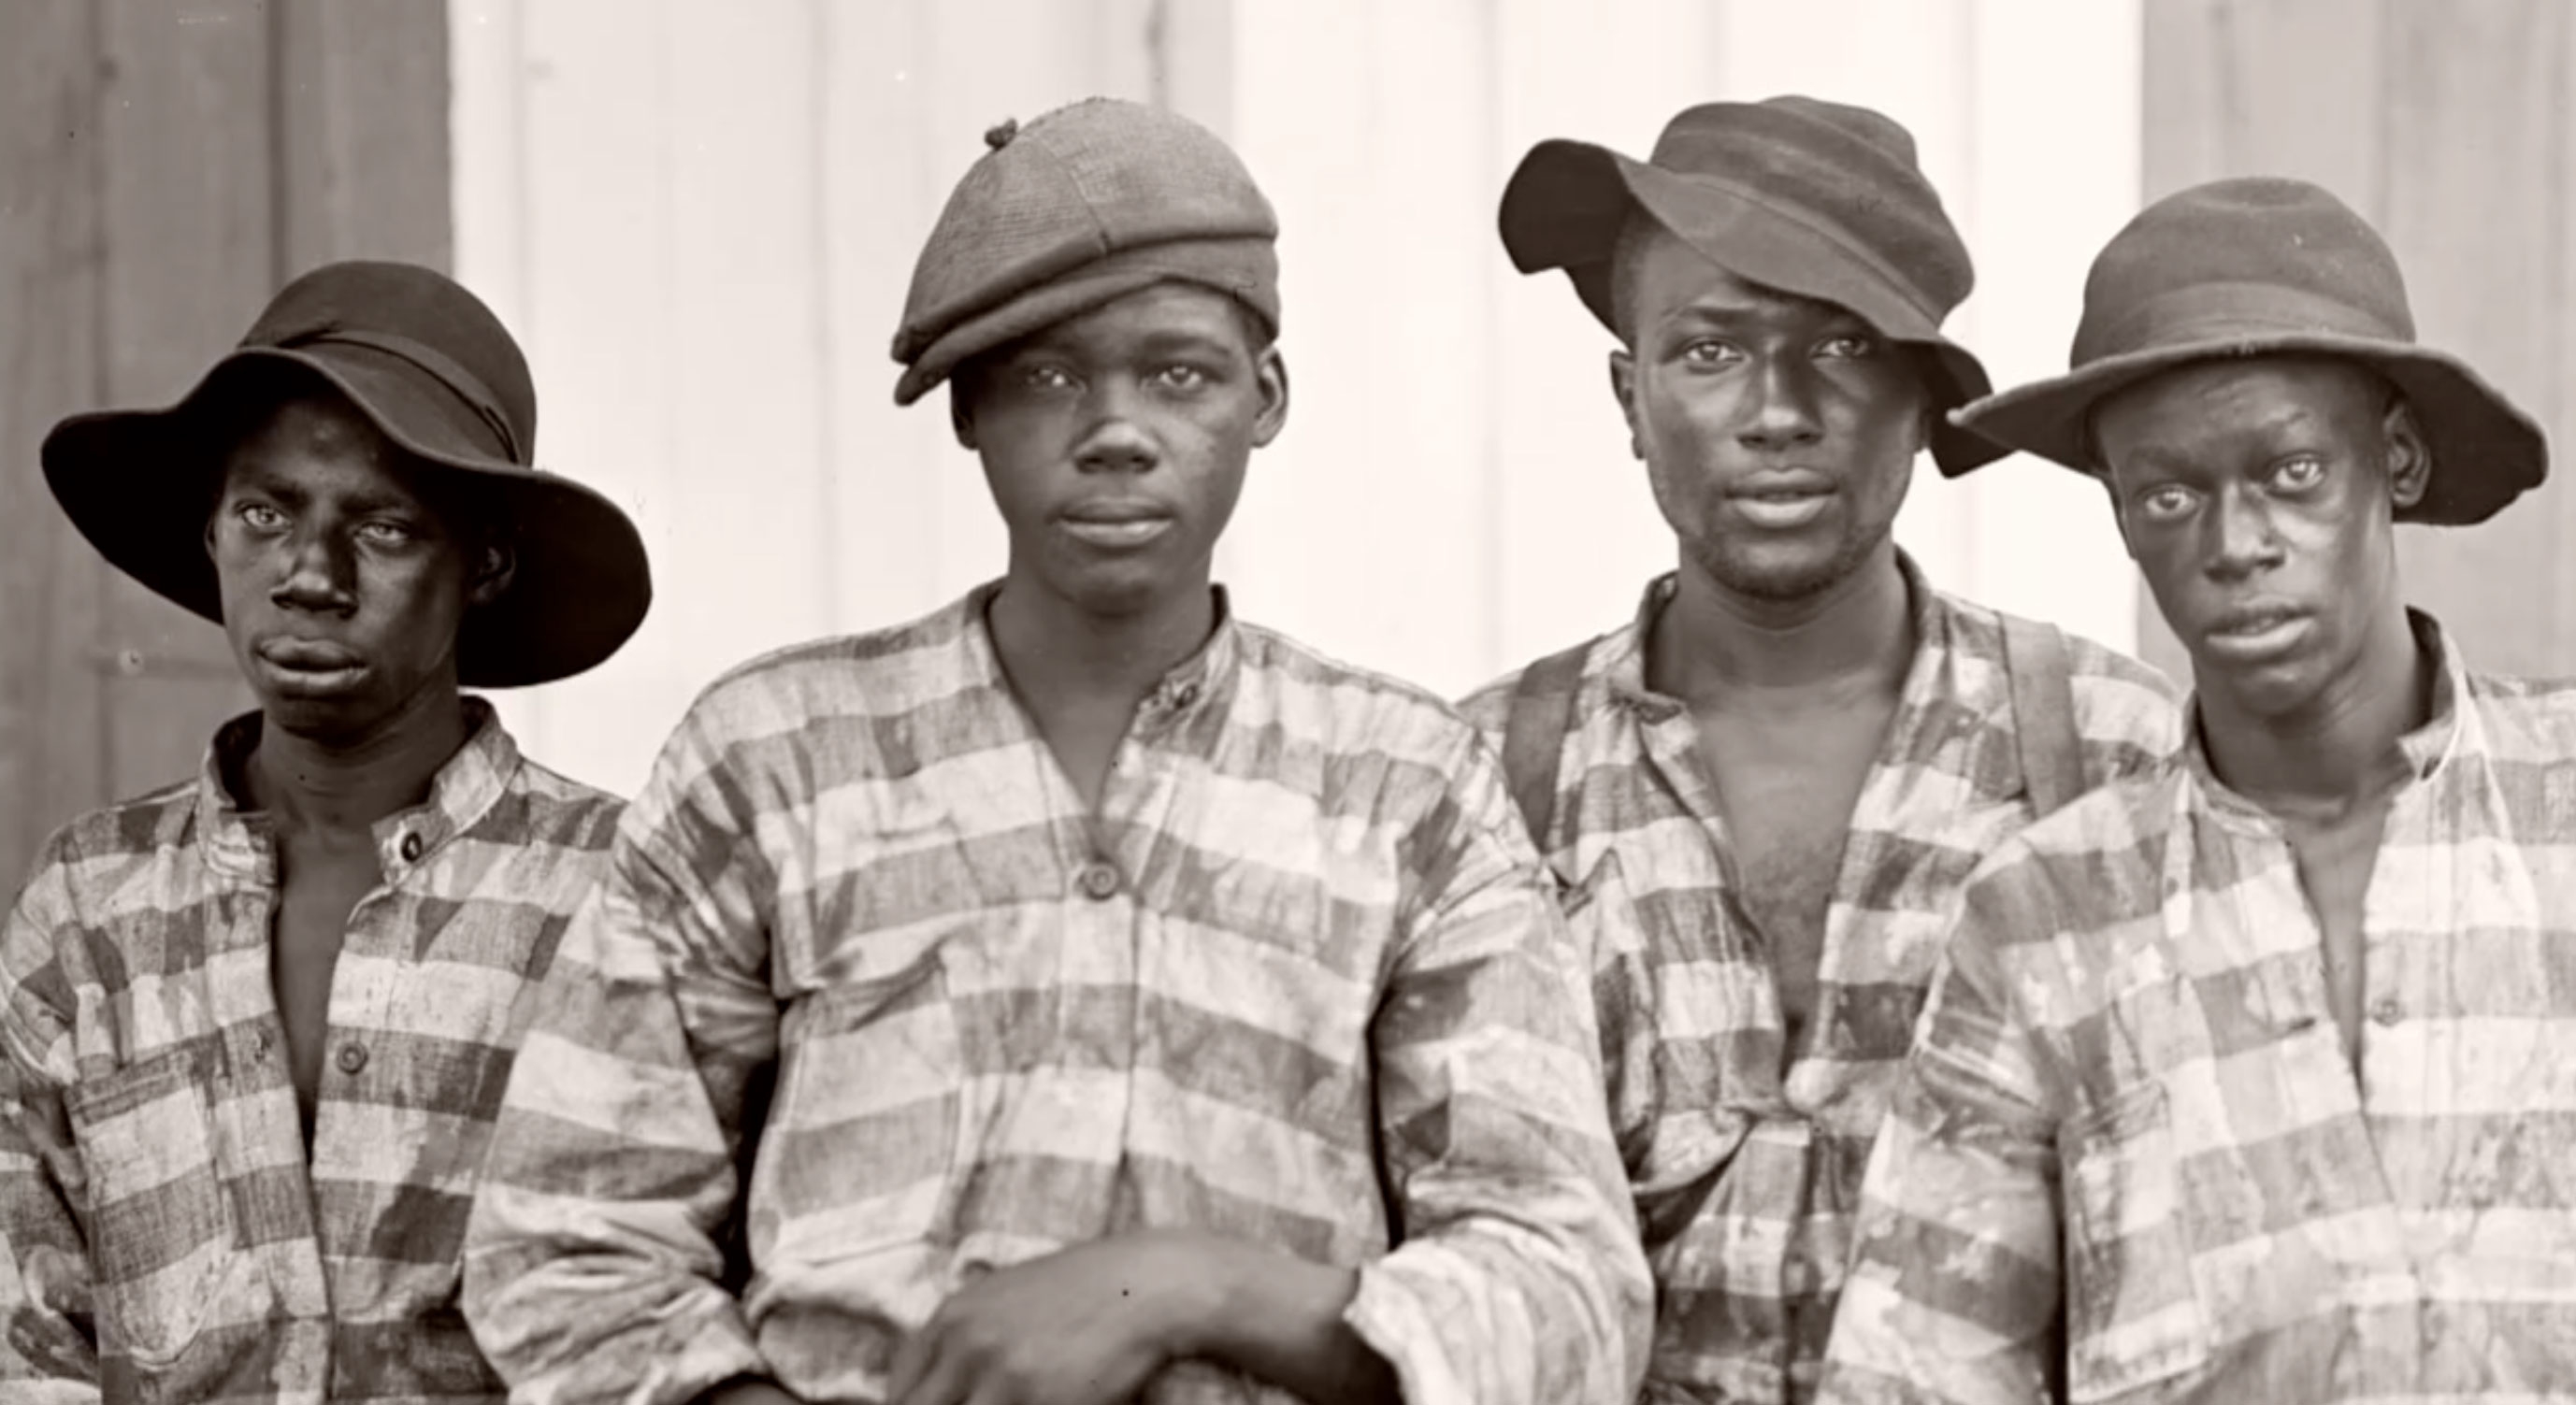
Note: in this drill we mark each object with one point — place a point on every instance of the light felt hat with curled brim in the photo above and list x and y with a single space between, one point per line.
2265 266
1819 199
431 366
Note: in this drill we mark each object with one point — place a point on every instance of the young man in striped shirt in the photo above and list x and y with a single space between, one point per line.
1078 995
1766 792
2249 1078
254 1026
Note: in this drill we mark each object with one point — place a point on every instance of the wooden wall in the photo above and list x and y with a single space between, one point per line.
700 217
2447 124
164 166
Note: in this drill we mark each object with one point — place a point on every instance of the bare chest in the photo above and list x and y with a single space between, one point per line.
323 883
2335 862
1786 793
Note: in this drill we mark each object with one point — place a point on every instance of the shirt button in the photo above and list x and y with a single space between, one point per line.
353 1057
2386 1012
1184 695
411 848
1099 881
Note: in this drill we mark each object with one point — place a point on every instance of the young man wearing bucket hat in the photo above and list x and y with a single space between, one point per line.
253 1027
1765 792
1158 1010
2248 1076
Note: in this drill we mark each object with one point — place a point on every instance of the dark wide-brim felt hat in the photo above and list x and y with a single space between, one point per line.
2266 266
436 371
1814 198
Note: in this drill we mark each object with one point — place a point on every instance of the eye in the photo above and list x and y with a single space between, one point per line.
1182 377
384 533
2164 504
2299 474
1848 346
1045 377
260 517
1708 351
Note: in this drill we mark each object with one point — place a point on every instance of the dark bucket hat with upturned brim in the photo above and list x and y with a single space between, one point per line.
1813 198
438 373
2265 266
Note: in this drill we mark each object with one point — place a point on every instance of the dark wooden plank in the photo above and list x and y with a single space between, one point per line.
52 757
2262 87
2476 188
188 205
362 96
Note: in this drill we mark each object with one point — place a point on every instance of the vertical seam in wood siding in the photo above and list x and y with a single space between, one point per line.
821 305
108 74
281 161
1488 448
1158 52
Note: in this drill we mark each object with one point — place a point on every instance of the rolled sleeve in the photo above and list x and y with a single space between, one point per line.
1519 1277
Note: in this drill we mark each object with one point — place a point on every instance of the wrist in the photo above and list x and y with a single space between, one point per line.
1204 1292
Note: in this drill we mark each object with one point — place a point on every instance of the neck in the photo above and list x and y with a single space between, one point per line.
348 785
1060 655
2338 751
1714 646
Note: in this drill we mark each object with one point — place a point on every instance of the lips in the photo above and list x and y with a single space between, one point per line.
1115 524
2251 633
309 655
1781 498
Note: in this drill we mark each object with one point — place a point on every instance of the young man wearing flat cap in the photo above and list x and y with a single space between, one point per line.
1080 994
2250 1074
1764 793
254 1026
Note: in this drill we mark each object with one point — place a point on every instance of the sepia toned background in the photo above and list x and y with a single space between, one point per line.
699 216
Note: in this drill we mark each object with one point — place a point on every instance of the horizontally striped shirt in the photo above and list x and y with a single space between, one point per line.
1745 1155
162 1236
2132 1110
1299 981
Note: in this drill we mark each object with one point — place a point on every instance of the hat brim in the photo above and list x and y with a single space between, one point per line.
1564 207
138 483
2486 451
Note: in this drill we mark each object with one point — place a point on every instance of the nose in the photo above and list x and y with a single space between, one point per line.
320 573
1116 440
2243 541
1782 413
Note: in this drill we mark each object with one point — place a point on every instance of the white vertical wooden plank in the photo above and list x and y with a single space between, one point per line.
1365 529
596 317
1577 534
2055 140
487 182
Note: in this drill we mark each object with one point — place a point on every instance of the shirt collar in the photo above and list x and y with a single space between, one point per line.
1202 680
2449 731
238 841
1623 665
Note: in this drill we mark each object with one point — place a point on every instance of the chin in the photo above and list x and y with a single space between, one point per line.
324 720
2271 691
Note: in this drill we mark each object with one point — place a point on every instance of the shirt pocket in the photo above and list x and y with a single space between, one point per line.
861 1150
162 1237
2133 1307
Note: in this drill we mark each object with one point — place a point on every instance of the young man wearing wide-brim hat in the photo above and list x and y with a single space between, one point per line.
253 1026
2248 1077
1151 1008
1765 791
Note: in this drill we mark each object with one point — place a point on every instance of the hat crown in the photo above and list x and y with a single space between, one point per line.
2239 259
1852 168
1070 187
426 319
